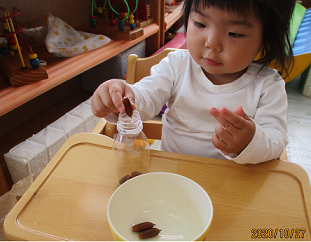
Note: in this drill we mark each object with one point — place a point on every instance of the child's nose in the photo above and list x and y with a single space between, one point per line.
213 41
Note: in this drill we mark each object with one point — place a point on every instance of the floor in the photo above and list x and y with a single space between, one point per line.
299 127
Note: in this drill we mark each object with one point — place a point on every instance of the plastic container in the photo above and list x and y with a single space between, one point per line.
131 147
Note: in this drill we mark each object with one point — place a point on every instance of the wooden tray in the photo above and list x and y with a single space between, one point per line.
68 200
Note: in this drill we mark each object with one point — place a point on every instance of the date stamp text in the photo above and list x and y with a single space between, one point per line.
287 233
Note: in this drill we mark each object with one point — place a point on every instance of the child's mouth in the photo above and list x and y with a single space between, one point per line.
211 62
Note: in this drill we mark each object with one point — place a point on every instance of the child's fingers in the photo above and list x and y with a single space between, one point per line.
99 105
116 98
216 114
222 119
237 121
107 98
239 111
115 95
117 91
223 134
219 143
235 130
95 100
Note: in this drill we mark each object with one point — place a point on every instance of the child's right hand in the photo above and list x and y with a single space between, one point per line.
108 97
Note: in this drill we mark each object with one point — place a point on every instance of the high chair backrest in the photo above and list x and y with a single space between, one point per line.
137 68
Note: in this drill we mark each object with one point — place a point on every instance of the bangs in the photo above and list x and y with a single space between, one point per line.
241 7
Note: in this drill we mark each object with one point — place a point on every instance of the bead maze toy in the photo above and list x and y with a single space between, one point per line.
13 65
119 20
122 16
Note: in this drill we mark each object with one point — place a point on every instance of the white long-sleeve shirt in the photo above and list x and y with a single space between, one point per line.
179 82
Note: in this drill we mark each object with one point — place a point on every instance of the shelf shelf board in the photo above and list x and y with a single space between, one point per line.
172 16
62 69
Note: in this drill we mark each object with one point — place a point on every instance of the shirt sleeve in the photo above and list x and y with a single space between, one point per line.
152 92
270 138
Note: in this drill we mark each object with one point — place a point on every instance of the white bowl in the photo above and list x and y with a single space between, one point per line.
179 207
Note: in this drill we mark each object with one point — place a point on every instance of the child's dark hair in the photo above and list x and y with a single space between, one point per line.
275 17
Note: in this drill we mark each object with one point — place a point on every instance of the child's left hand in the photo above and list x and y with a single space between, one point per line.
235 132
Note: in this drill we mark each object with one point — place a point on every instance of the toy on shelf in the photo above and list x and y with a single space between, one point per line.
119 20
18 75
128 15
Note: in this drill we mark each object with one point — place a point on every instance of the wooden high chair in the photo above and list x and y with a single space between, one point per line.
137 68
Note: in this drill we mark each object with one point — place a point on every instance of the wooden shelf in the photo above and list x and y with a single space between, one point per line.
172 17
167 19
62 69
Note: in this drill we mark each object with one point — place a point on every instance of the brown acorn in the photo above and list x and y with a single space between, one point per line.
134 173
142 226
128 106
149 233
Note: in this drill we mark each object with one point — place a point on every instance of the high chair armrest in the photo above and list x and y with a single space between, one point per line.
99 128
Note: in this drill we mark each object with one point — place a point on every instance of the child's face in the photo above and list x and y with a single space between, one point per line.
223 43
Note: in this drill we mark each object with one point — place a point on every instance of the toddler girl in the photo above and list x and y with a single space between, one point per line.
221 103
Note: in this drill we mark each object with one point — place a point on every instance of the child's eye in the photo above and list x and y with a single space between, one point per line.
236 35
198 24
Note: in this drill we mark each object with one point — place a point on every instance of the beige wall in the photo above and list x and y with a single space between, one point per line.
74 12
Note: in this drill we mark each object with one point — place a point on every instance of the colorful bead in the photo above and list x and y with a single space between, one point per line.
132 26
112 22
34 61
13 47
121 26
10 35
33 56
12 41
92 21
100 10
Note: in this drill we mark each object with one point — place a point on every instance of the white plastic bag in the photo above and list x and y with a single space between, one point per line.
65 41
9 199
